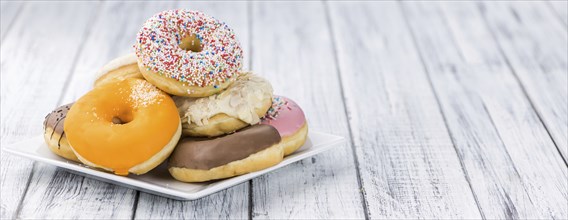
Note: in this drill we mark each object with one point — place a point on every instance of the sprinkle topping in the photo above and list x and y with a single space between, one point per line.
278 103
157 48
144 94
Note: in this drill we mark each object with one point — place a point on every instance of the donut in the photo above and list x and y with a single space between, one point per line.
202 159
124 127
242 104
118 69
54 135
188 53
288 118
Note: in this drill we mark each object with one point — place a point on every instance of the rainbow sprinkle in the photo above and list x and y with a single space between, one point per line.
278 103
158 48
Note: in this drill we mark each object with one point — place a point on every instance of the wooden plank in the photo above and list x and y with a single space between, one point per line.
560 7
496 131
409 167
232 203
35 64
9 11
297 57
534 43
112 35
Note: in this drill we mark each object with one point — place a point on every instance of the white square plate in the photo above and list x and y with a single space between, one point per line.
159 181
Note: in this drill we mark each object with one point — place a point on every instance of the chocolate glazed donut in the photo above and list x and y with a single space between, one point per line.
250 149
55 136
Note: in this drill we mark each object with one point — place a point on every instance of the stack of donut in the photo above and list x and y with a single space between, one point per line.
182 95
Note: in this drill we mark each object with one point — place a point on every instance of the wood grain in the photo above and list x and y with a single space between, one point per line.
232 203
409 167
9 12
496 131
560 7
35 63
297 57
451 110
534 43
112 35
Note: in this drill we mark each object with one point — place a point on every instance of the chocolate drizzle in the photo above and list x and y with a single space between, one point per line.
207 153
55 120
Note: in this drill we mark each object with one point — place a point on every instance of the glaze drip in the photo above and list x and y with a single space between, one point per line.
207 153
55 120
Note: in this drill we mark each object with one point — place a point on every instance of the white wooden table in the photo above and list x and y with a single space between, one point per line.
451 109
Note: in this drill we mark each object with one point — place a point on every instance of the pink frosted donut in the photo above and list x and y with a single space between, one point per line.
290 122
188 53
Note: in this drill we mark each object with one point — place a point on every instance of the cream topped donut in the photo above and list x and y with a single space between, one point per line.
289 119
240 105
281 132
119 69
188 53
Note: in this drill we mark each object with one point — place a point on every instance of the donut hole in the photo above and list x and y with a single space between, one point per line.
191 43
117 121
122 118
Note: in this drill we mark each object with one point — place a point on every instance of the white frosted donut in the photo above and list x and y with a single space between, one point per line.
188 53
240 105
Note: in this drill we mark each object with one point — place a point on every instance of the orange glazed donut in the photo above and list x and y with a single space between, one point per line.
188 53
124 127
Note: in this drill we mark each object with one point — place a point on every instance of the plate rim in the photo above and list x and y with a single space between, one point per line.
136 184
